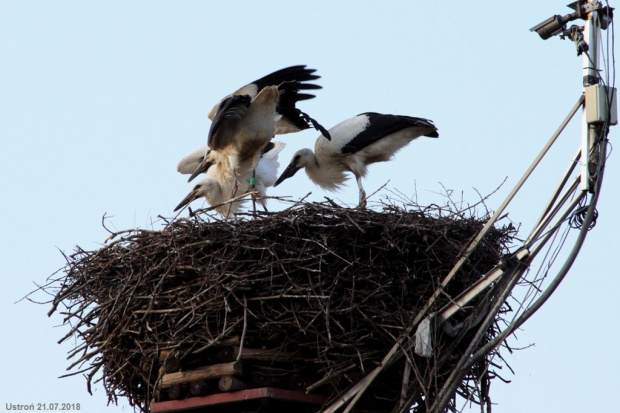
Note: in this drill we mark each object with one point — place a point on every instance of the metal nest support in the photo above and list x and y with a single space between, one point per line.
572 204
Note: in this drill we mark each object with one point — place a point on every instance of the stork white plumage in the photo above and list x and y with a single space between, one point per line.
356 143
189 163
217 184
268 164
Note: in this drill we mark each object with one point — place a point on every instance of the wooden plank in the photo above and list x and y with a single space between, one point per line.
251 394
201 373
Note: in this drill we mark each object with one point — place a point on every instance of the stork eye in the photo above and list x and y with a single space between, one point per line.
202 158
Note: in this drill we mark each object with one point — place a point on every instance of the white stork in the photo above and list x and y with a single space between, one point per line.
242 127
356 143
217 184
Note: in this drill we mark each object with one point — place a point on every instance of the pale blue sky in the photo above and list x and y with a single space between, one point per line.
98 101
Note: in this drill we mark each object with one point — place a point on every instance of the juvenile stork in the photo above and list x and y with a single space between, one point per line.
242 127
217 184
356 143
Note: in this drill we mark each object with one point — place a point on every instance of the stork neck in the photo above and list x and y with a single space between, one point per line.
327 175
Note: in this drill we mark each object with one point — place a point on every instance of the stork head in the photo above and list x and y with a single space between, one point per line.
301 159
203 166
203 188
190 162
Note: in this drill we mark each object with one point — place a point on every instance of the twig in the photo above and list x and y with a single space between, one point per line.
245 326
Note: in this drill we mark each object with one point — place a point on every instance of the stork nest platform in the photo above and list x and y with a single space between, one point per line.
309 299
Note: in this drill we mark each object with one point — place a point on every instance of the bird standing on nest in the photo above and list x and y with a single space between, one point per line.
242 127
356 143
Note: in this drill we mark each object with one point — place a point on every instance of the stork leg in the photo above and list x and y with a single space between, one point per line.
362 192
253 183
253 189
235 184
234 190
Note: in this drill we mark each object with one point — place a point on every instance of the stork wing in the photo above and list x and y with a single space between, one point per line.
232 108
296 74
380 126
294 117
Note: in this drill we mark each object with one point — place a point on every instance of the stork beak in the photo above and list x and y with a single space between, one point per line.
288 172
189 198
203 167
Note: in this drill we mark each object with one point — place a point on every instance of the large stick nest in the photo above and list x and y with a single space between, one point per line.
332 285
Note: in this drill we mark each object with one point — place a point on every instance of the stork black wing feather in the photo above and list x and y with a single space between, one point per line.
304 96
230 108
289 96
297 74
381 125
316 125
